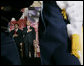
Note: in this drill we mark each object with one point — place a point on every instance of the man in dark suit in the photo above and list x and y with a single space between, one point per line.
17 35
29 36
53 37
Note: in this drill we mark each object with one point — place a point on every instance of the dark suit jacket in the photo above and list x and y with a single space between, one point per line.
18 39
30 36
9 52
53 37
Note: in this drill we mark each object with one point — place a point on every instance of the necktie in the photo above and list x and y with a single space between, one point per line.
15 31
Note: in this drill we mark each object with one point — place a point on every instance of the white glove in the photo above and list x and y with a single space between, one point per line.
71 30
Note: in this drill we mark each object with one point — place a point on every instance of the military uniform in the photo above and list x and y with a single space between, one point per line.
53 37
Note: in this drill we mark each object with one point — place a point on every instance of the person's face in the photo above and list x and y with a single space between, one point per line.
28 23
16 26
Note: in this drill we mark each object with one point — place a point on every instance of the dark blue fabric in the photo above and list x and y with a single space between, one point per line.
9 51
53 36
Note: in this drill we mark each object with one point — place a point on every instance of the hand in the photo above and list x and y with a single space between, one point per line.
15 35
71 30
29 30
34 41
20 44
